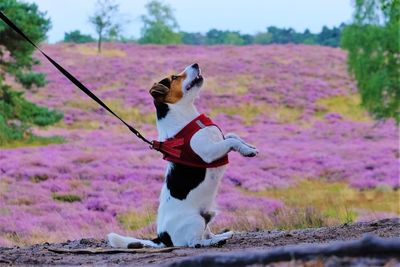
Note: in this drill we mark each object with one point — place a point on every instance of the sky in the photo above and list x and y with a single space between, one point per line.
249 16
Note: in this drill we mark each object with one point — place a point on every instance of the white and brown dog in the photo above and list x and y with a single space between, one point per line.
189 190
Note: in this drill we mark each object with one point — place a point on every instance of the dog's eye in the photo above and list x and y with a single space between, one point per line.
173 77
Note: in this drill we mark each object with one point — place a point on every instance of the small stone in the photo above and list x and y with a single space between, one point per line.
85 241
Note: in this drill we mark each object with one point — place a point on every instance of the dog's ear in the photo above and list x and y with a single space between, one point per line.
159 91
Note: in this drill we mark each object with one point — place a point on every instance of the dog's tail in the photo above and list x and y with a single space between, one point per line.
119 241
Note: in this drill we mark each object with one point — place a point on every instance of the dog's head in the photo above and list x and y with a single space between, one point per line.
182 87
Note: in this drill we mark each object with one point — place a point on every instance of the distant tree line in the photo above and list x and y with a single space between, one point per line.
161 27
78 37
272 35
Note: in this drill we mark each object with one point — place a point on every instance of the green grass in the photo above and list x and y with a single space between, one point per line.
284 114
135 220
249 112
283 219
38 178
110 86
348 106
81 124
132 114
33 140
237 86
246 111
311 203
336 202
66 197
105 52
117 105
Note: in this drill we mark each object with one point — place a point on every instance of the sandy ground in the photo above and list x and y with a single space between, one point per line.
39 254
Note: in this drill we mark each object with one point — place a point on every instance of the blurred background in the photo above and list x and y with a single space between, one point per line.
313 84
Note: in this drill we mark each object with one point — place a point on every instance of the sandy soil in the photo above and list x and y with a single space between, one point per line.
39 254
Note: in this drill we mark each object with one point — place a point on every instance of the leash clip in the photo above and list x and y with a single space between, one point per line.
168 147
156 145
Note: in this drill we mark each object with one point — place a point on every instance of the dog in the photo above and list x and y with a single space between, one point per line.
190 188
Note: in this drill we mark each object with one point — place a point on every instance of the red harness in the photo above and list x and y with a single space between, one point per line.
177 149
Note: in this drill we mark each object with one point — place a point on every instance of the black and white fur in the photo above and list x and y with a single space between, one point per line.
188 193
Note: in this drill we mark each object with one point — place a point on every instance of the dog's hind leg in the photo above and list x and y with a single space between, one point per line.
218 239
208 234
206 238
119 241
225 235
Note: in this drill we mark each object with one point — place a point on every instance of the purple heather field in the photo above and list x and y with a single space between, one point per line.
296 103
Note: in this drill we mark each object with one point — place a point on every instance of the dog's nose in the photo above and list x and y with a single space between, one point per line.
196 66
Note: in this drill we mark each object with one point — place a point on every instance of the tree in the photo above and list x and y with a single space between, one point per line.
372 41
16 113
190 38
214 37
262 38
227 37
35 25
247 39
330 37
159 25
104 20
77 37
282 36
307 37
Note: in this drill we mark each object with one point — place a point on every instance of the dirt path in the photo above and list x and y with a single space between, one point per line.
39 254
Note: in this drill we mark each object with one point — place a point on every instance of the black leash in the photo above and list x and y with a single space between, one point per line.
153 144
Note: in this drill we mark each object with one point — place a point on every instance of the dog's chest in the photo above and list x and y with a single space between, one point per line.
186 183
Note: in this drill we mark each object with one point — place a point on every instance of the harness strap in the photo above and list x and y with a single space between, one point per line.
163 148
169 146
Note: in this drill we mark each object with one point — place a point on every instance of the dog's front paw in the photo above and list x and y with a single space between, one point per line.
248 151
235 136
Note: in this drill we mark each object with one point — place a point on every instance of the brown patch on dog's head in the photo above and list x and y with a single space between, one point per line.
159 92
168 90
